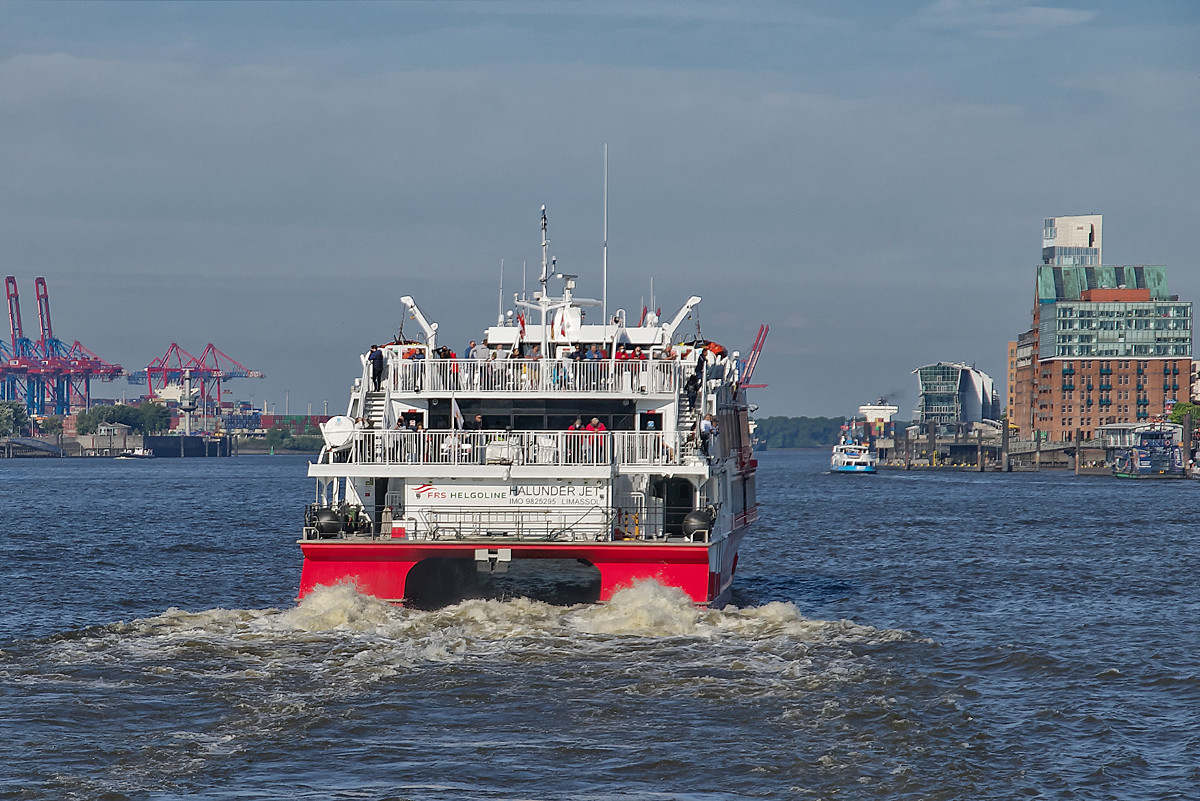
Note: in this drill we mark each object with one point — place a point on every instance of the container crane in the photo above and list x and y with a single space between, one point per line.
211 368
56 357
69 369
25 368
207 371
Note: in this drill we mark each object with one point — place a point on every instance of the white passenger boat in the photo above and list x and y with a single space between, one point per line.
455 468
853 452
851 458
136 453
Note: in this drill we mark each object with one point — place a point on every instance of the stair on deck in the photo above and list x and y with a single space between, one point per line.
374 406
687 418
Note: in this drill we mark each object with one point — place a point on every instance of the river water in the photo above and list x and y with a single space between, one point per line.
898 636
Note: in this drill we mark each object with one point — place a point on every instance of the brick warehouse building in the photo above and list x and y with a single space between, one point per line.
1108 344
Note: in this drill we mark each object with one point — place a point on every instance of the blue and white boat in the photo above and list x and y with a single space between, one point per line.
1154 453
852 458
853 453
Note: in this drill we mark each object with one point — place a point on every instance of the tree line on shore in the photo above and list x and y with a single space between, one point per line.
145 418
799 432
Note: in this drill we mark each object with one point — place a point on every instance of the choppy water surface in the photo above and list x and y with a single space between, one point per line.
899 636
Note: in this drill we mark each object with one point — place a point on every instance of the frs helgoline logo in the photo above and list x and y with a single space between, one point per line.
423 489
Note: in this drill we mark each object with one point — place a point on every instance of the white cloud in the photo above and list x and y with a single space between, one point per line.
1000 18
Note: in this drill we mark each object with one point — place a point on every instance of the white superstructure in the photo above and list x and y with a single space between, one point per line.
484 451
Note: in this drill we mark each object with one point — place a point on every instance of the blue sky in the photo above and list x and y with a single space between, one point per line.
869 178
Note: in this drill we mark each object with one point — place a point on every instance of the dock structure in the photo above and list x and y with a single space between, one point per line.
111 446
995 451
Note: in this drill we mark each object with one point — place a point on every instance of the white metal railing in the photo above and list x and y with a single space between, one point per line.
552 448
631 519
505 376
591 524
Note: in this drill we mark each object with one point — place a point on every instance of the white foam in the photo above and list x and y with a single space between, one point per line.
350 637
648 609
340 607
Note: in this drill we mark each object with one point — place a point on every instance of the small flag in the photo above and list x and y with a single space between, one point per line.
456 413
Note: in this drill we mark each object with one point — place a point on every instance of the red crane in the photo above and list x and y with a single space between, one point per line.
212 367
47 375
166 369
207 371
24 380
752 359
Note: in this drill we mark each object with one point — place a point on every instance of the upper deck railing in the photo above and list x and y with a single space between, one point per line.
543 448
543 376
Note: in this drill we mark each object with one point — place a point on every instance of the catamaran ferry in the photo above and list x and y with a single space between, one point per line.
615 445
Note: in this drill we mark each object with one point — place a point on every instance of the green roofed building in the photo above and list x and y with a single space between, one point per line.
1109 344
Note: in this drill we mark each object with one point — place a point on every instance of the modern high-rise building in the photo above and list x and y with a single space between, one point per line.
1108 344
954 394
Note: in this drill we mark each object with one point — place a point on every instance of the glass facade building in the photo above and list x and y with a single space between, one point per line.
1139 330
953 394
1109 345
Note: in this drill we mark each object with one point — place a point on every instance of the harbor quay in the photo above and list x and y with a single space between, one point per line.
984 450
126 445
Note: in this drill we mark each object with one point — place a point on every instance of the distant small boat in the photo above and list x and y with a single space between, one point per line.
849 457
136 453
853 454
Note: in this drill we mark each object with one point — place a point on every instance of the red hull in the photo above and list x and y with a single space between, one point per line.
380 568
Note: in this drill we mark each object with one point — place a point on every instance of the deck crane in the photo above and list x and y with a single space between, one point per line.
680 316
429 328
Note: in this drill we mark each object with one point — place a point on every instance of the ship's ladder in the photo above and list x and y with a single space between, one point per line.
374 405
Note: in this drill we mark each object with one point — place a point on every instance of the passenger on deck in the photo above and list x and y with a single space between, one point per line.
708 430
575 444
477 355
375 357
595 440
692 388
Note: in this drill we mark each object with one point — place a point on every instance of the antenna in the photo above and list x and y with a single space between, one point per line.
500 300
604 295
545 251
524 264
